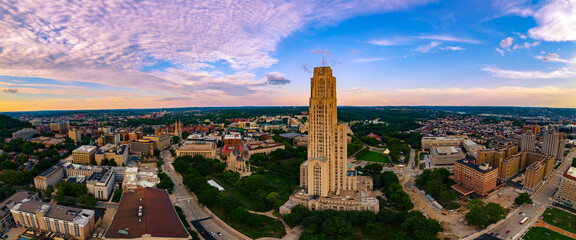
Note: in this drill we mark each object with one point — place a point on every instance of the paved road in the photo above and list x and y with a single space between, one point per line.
190 206
542 198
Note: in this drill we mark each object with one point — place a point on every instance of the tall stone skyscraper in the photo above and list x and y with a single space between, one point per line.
326 181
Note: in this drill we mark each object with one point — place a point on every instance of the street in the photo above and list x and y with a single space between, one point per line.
190 206
542 198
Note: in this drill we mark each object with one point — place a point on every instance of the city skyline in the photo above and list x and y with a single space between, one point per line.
137 54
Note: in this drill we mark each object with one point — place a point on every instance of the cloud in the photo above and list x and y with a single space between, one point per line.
515 7
520 35
367 60
355 51
449 38
507 42
500 51
563 72
554 57
555 21
10 90
435 46
452 48
178 43
407 40
548 96
428 47
306 68
276 78
320 51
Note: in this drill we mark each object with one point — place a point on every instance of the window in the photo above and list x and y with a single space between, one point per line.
48 224
67 228
77 230
57 226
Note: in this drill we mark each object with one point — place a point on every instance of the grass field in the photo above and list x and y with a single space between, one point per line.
268 226
560 219
538 233
233 192
372 156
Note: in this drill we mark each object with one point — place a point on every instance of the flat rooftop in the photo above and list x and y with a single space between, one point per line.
51 170
474 166
146 211
70 214
570 173
85 149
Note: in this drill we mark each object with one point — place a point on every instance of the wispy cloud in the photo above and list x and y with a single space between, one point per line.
560 73
435 46
554 57
448 38
555 21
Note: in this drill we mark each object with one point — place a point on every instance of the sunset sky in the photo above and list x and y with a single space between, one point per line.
87 54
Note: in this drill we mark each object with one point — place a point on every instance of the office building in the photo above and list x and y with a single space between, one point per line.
49 177
162 141
232 138
553 144
6 219
326 180
470 177
75 134
134 178
528 141
76 222
446 156
263 147
434 142
534 175
472 147
84 154
502 143
146 213
142 146
109 152
566 194
24 133
101 184
193 148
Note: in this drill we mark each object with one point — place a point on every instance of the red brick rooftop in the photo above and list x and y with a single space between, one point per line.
158 218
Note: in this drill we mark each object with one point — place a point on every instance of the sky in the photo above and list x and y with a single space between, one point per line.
86 54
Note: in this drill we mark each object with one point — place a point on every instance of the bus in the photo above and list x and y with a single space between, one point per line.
524 220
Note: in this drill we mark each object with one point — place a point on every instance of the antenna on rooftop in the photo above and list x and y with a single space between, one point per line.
323 61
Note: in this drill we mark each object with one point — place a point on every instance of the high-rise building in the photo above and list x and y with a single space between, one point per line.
553 144
75 134
477 178
566 194
528 141
326 181
84 154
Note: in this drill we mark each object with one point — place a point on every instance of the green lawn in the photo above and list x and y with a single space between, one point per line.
561 219
268 226
277 182
538 233
234 193
372 156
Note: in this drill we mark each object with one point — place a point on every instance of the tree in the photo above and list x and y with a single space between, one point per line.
88 200
48 192
336 227
172 152
523 198
293 219
10 176
175 139
208 196
112 163
373 168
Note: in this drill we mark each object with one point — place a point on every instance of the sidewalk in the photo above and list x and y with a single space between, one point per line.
540 223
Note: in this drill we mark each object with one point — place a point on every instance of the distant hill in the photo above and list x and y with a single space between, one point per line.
8 125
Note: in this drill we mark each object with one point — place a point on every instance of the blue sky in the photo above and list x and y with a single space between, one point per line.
148 54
